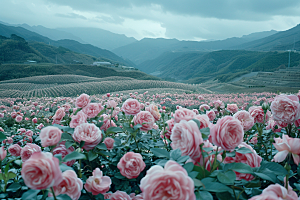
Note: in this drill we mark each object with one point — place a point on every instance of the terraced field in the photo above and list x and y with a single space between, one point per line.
73 85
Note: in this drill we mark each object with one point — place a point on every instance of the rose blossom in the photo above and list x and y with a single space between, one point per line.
70 185
89 133
107 195
3 153
97 183
131 165
19 118
15 150
211 115
204 107
145 119
251 159
258 114
78 119
218 104
187 137
227 133
245 118
233 108
92 109
183 114
59 114
50 136
111 104
204 121
61 149
158 183
138 197
276 192
109 143
107 122
170 123
285 146
41 171
82 101
154 111
28 150
119 195
131 107
285 108
34 120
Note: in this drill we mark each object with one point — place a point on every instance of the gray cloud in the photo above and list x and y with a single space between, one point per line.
70 15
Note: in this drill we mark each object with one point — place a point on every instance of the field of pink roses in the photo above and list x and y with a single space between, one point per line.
151 146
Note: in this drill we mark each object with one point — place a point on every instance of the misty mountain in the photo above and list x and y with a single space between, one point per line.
69 44
101 38
283 40
148 48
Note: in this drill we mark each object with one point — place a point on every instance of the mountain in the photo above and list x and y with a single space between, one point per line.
53 34
101 38
283 40
149 48
70 44
224 65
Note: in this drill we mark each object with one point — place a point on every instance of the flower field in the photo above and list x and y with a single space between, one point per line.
146 143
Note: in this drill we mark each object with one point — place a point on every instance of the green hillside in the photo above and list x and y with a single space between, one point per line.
225 65
12 71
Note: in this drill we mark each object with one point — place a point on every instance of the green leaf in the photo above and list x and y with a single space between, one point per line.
78 109
64 128
227 178
63 197
63 167
1 176
14 187
68 144
6 168
92 156
269 177
197 183
137 126
193 174
81 144
2 137
74 156
205 133
197 122
114 130
101 146
202 172
214 186
224 195
241 168
99 197
203 195
59 157
207 149
18 162
160 153
274 167
243 150
188 167
182 159
11 175
118 175
175 154
30 194
66 137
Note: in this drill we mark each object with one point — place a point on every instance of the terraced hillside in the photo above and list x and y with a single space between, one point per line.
73 85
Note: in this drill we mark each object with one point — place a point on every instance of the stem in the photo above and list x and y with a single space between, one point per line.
238 197
137 144
53 193
234 192
79 170
215 160
287 182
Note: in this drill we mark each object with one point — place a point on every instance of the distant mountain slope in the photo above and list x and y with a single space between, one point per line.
148 48
70 44
283 40
225 65
101 38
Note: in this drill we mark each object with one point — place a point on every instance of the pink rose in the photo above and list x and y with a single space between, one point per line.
118 195
78 119
34 120
204 121
89 133
227 133
187 137
131 107
258 114
233 108
285 108
15 150
59 114
70 185
184 114
131 165
97 183
251 159
111 104
145 119
19 118
169 128
50 136
107 195
138 197
3 153
297 123
28 150
41 171
107 123
276 192
109 143
245 118
92 109
82 101
211 115
61 149
218 104
285 146
154 111
158 183
204 107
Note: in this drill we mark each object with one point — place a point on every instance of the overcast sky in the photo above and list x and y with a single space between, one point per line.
181 19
